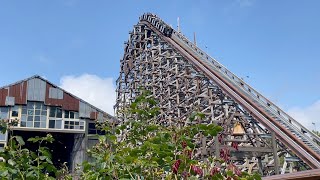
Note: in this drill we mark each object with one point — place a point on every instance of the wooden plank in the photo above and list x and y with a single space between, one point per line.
313 174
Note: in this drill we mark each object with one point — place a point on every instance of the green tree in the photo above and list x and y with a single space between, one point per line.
21 163
141 148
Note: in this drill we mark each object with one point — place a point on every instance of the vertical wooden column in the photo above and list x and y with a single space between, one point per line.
217 146
275 155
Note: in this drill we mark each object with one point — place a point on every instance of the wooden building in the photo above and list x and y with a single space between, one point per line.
42 107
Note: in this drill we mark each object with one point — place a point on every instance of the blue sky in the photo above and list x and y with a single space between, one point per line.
275 43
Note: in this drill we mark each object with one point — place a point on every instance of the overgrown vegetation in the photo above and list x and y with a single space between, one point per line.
22 163
139 148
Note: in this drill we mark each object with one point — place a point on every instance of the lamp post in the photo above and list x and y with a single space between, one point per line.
315 127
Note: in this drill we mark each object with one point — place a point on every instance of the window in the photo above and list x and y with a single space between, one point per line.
2 137
93 130
55 124
15 111
55 118
71 115
1 147
34 115
77 125
4 112
72 121
55 112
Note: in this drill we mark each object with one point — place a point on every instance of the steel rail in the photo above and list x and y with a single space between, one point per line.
297 146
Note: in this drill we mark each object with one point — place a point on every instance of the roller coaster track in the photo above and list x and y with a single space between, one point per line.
289 132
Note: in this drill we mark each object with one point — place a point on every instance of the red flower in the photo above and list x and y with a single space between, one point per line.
175 166
214 171
185 174
197 170
220 138
235 145
225 154
188 153
234 169
184 144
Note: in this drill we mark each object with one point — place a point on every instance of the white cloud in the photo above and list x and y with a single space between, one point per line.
96 90
307 115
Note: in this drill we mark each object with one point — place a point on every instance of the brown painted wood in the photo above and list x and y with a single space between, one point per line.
93 115
3 95
67 103
313 174
70 103
19 92
51 101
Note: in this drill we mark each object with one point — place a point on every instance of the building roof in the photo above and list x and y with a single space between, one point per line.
36 88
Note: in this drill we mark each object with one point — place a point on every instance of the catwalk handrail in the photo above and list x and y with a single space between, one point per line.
167 30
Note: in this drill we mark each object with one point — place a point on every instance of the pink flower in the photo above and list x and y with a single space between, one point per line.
188 153
220 138
176 166
235 145
184 144
214 171
225 154
234 169
197 170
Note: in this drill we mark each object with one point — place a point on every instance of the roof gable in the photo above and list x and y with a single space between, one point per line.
36 88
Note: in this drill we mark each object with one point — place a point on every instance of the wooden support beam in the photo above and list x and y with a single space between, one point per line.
275 156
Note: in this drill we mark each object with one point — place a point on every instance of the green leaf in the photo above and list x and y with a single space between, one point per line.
122 127
20 140
5 173
30 174
201 115
112 138
12 171
34 139
133 105
102 139
229 173
192 117
213 132
203 127
11 162
218 128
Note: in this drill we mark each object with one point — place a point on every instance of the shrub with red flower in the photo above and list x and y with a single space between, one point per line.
175 166
197 170
225 154
235 145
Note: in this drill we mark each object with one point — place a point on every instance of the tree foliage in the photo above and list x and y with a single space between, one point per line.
141 148
18 162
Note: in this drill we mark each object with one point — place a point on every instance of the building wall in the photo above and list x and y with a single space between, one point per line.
36 89
42 106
